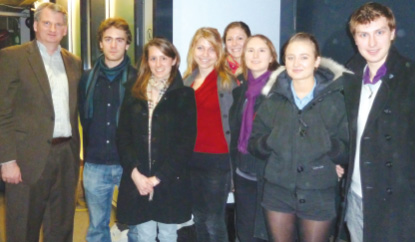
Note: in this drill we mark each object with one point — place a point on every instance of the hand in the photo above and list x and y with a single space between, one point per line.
10 173
154 180
339 171
143 184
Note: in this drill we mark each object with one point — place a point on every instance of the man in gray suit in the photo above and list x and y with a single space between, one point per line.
39 140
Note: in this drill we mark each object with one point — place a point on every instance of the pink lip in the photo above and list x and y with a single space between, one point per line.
372 52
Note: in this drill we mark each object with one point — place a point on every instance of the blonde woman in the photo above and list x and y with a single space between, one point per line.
301 129
212 81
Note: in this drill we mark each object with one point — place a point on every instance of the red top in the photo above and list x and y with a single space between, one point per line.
210 137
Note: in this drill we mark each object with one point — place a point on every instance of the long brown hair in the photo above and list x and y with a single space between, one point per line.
139 89
273 65
213 37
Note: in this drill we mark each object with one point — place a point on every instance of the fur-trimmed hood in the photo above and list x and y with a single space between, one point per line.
326 63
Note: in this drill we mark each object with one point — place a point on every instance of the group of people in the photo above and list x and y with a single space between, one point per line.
280 137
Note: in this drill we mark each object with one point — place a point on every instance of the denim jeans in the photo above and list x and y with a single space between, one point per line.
99 183
354 216
210 189
147 232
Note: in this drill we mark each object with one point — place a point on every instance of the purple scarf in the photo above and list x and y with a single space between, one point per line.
254 89
379 74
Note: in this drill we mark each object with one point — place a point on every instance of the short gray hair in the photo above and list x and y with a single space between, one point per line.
52 6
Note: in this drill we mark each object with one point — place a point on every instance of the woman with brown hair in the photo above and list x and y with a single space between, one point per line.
156 135
259 61
234 38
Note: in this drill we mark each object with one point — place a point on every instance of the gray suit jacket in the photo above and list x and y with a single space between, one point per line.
26 108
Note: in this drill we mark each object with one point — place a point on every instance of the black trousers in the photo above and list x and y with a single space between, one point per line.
246 202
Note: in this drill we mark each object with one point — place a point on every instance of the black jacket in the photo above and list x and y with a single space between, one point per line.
245 162
302 146
387 155
172 143
98 151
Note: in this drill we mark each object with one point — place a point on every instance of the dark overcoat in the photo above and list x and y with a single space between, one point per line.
173 135
387 153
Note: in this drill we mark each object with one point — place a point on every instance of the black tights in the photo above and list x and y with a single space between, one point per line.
282 228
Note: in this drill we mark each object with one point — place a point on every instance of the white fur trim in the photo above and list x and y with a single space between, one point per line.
272 79
334 67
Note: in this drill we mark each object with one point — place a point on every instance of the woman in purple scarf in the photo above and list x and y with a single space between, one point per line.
259 59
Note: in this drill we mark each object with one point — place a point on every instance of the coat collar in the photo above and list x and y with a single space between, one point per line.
35 60
395 65
176 83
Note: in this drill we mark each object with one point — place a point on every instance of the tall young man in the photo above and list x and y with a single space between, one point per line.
39 140
380 103
101 92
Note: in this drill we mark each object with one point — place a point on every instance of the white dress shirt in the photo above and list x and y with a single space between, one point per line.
58 82
367 96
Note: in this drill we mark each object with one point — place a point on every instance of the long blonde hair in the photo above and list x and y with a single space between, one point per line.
213 37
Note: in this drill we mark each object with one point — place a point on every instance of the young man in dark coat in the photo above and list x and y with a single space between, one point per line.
380 103
101 92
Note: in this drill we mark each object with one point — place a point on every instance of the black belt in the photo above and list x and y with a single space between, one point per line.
60 140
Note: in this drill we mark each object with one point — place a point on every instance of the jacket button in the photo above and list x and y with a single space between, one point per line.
228 132
153 161
49 141
52 118
221 95
302 200
302 132
387 111
388 137
300 169
388 164
225 116
389 190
